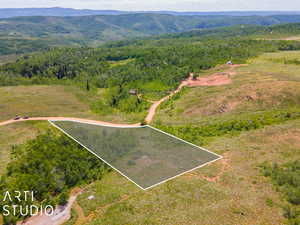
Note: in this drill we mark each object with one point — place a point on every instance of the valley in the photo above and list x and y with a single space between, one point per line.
182 83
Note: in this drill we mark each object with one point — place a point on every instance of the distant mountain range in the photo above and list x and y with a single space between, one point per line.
117 27
14 12
32 33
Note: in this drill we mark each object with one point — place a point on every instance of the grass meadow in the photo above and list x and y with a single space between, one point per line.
229 191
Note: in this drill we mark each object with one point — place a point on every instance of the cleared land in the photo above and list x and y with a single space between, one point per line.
144 155
39 101
232 190
43 101
240 196
266 83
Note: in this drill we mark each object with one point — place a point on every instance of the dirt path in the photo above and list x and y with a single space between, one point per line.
69 118
60 216
216 79
81 217
63 215
152 110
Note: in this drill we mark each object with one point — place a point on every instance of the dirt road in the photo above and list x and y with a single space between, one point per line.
152 110
71 119
60 216
64 214
215 79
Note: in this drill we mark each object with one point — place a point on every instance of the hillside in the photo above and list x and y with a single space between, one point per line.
234 187
25 34
57 11
247 112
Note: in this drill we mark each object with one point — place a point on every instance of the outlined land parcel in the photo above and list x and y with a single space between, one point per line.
143 154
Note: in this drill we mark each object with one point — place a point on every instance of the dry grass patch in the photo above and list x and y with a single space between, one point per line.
39 101
255 87
241 195
15 134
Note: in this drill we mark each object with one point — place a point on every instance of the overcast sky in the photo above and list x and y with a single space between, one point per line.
177 5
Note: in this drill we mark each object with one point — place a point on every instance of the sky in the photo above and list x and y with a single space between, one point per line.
175 5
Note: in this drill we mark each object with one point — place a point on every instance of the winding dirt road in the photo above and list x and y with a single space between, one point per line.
211 80
71 119
215 79
152 110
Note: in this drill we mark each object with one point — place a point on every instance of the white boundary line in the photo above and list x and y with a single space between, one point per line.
91 151
98 124
219 156
184 141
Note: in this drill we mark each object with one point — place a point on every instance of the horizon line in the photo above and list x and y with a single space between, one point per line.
161 10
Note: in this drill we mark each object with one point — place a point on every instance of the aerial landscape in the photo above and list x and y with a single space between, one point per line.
164 113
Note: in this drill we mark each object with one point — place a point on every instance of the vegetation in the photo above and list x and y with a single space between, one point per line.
104 78
152 70
246 31
286 178
201 133
12 135
46 165
28 34
241 192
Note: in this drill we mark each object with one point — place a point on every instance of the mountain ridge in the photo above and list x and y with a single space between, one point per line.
59 11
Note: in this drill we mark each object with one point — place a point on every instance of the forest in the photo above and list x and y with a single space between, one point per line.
151 68
46 165
17 34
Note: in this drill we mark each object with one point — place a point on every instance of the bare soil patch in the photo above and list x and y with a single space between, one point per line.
216 79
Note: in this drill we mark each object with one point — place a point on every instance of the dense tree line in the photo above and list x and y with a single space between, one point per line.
201 133
150 67
50 165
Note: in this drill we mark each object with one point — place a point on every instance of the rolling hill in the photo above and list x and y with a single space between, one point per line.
252 121
17 33
58 11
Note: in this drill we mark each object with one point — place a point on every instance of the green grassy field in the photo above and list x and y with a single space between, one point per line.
42 100
241 196
262 85
231 191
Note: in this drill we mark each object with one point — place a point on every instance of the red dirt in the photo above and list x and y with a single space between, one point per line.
212 80
215 79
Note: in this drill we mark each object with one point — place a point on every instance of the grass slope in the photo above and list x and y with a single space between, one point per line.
237 193
39 101
14 134
266 83
241 196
